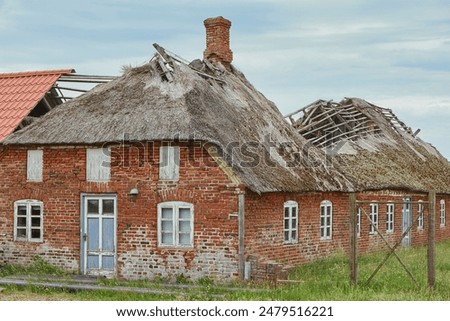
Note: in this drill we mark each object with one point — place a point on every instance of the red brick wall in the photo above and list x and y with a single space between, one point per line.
265 245
215 252
201 183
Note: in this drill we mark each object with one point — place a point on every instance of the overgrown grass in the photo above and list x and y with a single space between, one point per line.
39 267
324 280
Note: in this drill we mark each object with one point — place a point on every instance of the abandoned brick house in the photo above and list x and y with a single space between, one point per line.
177 168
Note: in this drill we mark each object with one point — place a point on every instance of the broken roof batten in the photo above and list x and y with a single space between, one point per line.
324 123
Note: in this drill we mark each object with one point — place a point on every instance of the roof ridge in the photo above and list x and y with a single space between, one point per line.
36 73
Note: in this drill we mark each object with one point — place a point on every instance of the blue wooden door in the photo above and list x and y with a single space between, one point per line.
99 235
406 221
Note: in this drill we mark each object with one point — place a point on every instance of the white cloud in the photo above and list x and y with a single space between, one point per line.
420 105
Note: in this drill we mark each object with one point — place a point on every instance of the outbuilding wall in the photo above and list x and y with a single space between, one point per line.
271 257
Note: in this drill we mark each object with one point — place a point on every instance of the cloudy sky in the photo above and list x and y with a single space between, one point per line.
393 53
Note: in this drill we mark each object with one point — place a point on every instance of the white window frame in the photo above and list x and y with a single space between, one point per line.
28 227
175 228
98 164
169 163
326 220
34 165
374 217
420 209
290 218
390 217
358 221
442 212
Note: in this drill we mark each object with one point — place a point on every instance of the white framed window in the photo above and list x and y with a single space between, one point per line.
390 217
290 222
169 163
28 217
420 208
358 222
442 212
326 220
34 165
373 218
98 164
175 224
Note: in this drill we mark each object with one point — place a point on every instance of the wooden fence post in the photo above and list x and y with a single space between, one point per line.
431 239
353 253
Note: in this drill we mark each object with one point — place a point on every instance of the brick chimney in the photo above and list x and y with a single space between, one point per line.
218 41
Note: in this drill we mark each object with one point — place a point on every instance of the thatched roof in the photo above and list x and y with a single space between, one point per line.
371 146
168 99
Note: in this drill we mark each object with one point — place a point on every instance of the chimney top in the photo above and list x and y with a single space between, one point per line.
218 41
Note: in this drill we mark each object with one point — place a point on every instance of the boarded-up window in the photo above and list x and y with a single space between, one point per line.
169 162
34 165
98 164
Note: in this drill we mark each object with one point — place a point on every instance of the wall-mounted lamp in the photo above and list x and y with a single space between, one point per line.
134 192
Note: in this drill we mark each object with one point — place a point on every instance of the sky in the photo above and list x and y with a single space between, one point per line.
392 53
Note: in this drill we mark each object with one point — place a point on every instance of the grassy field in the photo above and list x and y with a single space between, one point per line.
325 280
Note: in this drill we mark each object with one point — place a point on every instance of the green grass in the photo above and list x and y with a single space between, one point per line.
324 280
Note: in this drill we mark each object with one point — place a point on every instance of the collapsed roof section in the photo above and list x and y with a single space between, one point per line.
327 123
371 146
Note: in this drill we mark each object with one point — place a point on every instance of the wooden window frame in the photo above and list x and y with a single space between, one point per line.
175 228
390 217
326 229
374 217
442 212
420 209
28 227
358 221
292 222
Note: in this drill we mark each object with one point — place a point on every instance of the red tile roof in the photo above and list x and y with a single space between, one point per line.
20 92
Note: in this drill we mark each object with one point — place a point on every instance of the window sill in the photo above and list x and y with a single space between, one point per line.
176 247
28 241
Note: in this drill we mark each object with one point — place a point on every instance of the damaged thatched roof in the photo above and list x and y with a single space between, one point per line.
167 99
372 146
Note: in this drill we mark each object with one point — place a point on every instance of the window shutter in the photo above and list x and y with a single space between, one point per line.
98 165
34 165
169 162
